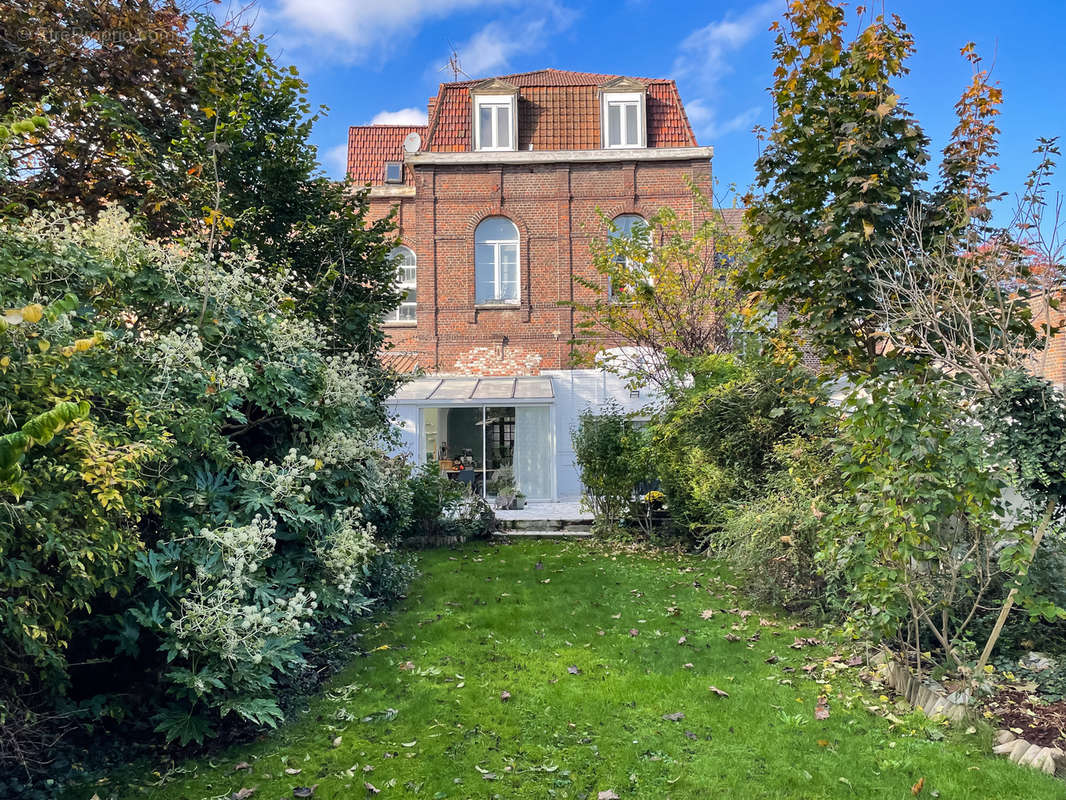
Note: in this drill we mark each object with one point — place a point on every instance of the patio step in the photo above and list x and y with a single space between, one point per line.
548 525
543 534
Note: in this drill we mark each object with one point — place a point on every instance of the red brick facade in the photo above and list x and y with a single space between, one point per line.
553 198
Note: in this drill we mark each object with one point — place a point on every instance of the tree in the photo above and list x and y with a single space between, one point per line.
242 171
668 296
843 163
106 73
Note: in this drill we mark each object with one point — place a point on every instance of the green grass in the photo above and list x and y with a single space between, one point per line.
485 620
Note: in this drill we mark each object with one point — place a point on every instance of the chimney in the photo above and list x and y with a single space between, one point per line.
430 108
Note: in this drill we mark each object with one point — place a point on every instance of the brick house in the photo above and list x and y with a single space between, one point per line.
496 200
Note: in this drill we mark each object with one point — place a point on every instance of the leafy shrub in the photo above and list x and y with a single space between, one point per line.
610 454
216 500
713 446
774 539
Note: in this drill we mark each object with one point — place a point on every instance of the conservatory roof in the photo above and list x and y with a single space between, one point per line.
474 391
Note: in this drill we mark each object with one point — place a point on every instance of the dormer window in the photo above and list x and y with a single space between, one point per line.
495 117
393 172
622 114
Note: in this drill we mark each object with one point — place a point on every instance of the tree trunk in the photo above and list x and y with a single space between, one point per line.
1001 620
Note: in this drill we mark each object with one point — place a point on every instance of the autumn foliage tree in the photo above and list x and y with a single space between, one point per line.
664 296
107 74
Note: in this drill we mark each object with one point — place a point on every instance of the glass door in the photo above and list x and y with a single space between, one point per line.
486 446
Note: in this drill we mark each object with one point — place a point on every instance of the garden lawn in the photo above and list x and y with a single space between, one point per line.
607 658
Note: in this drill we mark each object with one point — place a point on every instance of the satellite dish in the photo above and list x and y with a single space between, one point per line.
412 142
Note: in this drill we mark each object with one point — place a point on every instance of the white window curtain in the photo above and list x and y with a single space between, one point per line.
533 449
496 261
406 280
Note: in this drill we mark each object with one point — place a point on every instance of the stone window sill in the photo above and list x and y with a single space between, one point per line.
399 324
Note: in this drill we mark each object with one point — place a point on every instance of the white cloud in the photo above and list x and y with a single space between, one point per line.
741 122
490 50
404 116
705 53
335 161
365 22
315 32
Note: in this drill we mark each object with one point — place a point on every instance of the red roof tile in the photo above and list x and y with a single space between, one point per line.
558 110
370 146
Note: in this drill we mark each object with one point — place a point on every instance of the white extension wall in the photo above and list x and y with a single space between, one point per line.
575 391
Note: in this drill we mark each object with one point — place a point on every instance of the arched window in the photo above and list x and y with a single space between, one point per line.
626 226
496 261
403 258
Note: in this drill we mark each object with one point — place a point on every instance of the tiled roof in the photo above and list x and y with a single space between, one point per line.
370 146
732 218
401 361
558 110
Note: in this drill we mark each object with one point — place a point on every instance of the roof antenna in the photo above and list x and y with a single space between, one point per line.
453 64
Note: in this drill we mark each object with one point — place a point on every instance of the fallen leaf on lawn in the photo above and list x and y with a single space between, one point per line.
854 661
407 665
616 616
607 795
823 743
242 794
707 613
766 622
505 696
732 637
682 640
242 765
304 791
744 614
687 666
634 632
845 781
600 633
489 776
292 771
336 742
917 788
773 659
409 744
546 580
804 641
573 670
821 710
677 716
371 788
717 691
692 736
539 565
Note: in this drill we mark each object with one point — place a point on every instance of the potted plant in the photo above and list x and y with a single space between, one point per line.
519 500
503 486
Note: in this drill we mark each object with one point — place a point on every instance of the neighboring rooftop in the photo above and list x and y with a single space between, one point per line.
370 146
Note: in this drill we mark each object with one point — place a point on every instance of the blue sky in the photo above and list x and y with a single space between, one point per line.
379 60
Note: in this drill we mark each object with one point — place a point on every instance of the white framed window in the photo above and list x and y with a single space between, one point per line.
393 172
622 118
627 226
494 122
496 261
403 258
